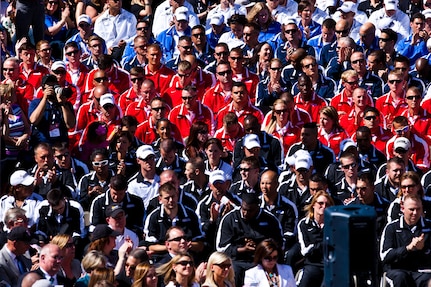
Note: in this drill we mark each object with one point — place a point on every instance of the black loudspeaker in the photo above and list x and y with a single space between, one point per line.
350 246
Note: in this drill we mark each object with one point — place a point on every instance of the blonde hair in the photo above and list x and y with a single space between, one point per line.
168 272
140 274
219 258
309 208
92 260
252 15
101 273
6 91
273 123
60 240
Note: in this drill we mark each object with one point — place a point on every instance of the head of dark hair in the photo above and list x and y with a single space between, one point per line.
54 197
118 182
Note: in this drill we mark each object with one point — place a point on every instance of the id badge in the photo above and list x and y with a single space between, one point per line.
54 130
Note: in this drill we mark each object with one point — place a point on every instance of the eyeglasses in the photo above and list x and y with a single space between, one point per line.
235 58
408 186
100 163
187 98
402 130
83 25
74 52
63 155
187 47
369 118
178 239
198 35
278 112
142 29
352 83
384 39
394 81
224 265
8 69
358 61
100 79
59 72
224 73
134 80
278 69
222 54
185 263
302 170
244 169
309 66
290 31
349 166
158 109
413 98
271 258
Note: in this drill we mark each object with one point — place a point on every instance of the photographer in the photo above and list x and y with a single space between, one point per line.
51 115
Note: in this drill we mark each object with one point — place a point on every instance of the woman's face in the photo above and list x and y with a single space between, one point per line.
306 14
326 122
262 17
213 152
151 278
123 144
69 249
265 52
51 6
203 135
221 270
184 266
280 112
320 205
408 186
164 130
269 262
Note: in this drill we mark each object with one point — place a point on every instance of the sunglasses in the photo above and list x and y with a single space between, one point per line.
224 73
74 52
8 69
309 66
222 54
402 130
349 166
187 98
270 258
183 75
100 163
130 266
394 81
278 69
203 132
185 263
142 29
408 186
244 169
63 155
369 118
178 239
83 25
224 265
291 31
187 47
413 98
278 112
134 80
198 35
359 61
342 31
101 79
384 39
59 72
158 109
235 58
352 83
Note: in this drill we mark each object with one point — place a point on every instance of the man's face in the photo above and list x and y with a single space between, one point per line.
181 25
96 48
372 63
308 136
303 175
158 110
10 70
169 199
385 43
305 87
237 30
358 63
168 157
224 74
250 35
401 130
21 247
51 262
366 35
413 99
219 189
394 172
403 67
220 53
268 183
84 29
235 60
27 56
248 172
341 29
365 191
117 195
358 97
154 56
239 95
100 79
249 211
364 141
100 164
44 51
137 82
44 158
417 25
142 29
115 4
349 167
396 83
198 37
140 46
327 34
148 164
73 54
118 222
189 99
309 67
371 120
412 211
314 186
291 32
190 172
177 242
185 47
185 76
62 158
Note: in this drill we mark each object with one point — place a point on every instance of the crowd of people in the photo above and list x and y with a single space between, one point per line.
191 143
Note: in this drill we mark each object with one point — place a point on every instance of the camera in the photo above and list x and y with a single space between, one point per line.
65 92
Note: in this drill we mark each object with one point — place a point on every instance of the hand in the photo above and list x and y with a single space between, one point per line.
65 13
125 248
228 207
306 32
121 167
201 272
121 44
52 175
214 212
21 141
417 243
95 190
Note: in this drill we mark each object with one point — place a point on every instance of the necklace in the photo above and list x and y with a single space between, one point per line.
272 278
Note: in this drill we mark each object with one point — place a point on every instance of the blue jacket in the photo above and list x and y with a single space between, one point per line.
413 52
168 43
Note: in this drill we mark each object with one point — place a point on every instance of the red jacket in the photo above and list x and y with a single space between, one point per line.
312 107
161 78
119 81
419 151
35 76
248 110
389 109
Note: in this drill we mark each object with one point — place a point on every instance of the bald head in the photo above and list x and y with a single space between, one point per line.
422 66
29 279
99 91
